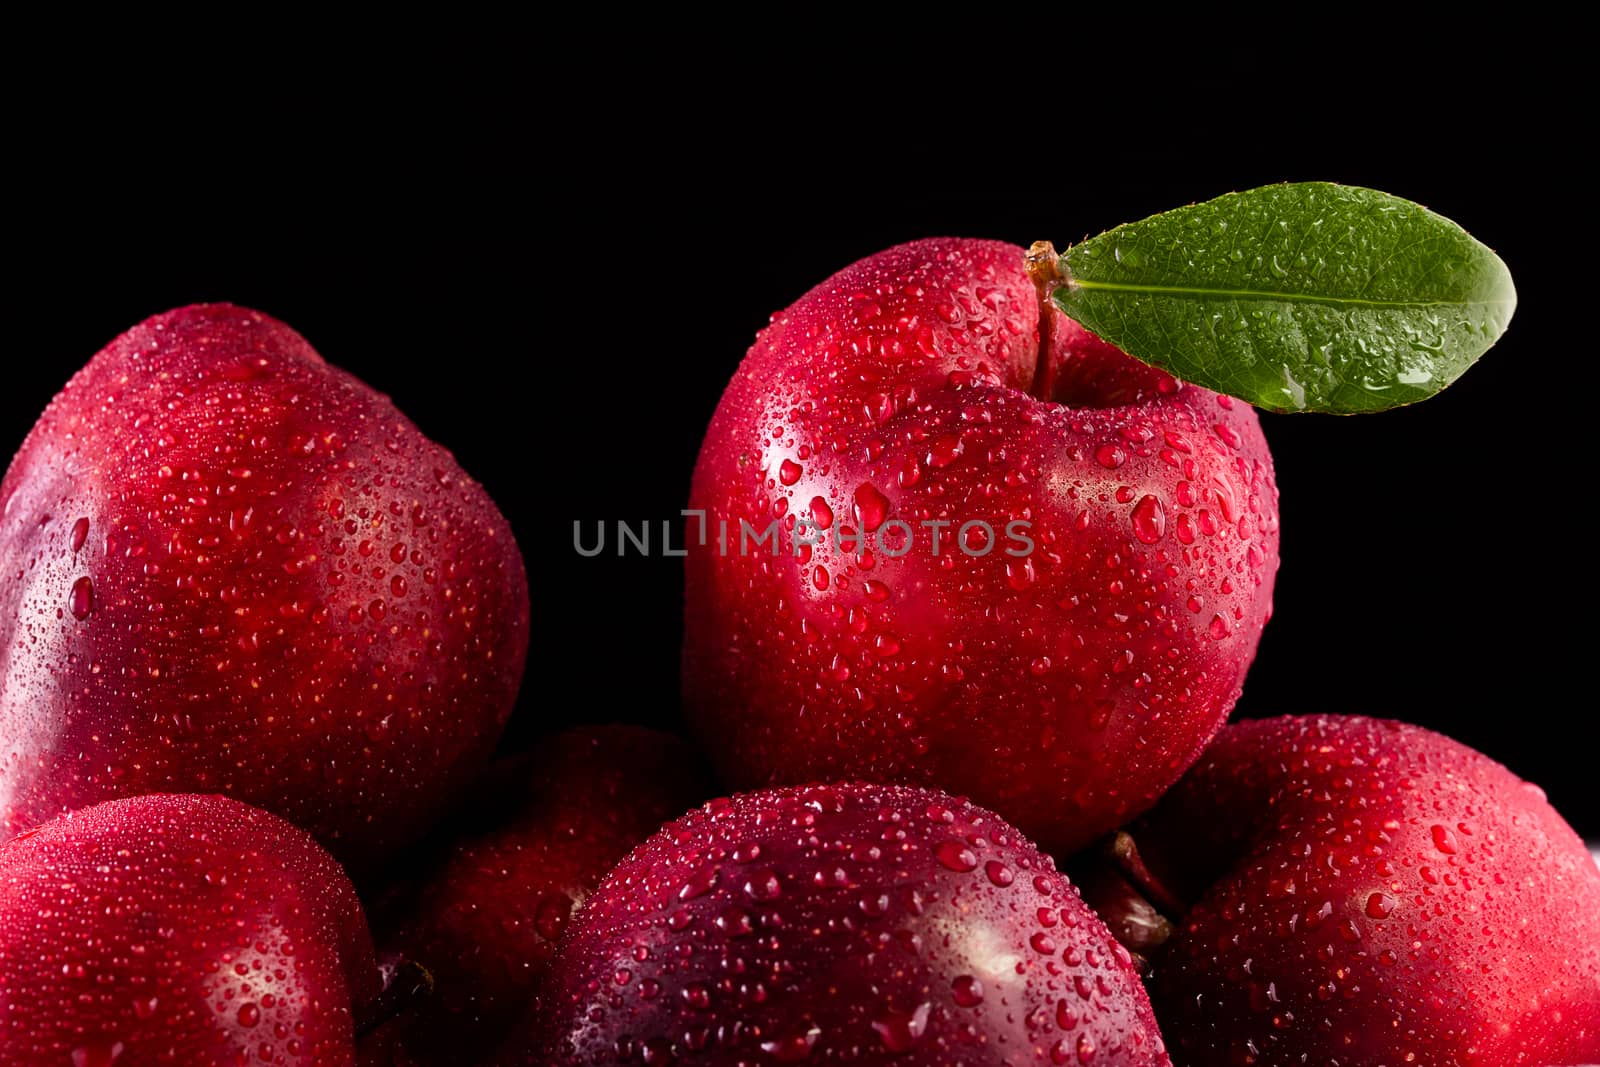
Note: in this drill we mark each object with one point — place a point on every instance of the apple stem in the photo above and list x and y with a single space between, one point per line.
1132 919
1124 852
1134 904
405 982
1043 265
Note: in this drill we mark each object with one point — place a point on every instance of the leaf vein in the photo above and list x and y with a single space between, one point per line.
1294 298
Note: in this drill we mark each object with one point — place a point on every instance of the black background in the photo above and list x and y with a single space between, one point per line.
555 271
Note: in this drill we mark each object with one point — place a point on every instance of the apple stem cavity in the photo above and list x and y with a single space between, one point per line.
406 983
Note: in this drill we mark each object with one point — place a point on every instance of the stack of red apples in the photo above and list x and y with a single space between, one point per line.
961 792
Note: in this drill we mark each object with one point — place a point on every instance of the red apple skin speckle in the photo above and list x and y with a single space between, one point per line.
1371 892
1065 688
227 566
539 837
177 930
847 923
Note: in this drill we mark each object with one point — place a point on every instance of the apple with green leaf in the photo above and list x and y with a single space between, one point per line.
954 534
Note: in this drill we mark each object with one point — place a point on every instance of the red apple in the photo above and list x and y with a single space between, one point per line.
1062 668
1367 892
177 930
853 923
226 566
538 839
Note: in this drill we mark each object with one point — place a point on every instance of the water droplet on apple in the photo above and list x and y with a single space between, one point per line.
796 1048
967 991
955 856
1380 905
700 882
763 885
100 1053
871 506
1110 456
81 599
900 1031
944 451
1149 520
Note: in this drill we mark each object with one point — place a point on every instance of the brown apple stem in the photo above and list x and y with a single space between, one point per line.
1124 852
1134 904
405 984
1132 919
1043 267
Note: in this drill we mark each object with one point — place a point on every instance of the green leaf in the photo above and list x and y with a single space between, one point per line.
1306 297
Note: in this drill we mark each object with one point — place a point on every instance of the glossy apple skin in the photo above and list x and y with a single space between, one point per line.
1370 892
177 930
1065 689
537 840
227 566
846 923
